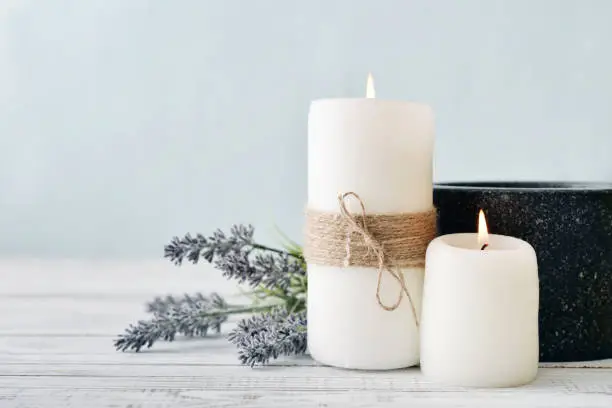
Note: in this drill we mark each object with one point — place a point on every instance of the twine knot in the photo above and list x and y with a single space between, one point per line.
387 242
360 226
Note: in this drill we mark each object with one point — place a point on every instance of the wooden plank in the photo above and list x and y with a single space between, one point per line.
85 278
215 350
75 316
576 379
162 398
283 399
99 350
299 386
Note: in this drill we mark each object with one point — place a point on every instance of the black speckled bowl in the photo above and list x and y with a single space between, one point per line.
570 227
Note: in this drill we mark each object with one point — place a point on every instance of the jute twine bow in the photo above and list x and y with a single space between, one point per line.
387 242
375 247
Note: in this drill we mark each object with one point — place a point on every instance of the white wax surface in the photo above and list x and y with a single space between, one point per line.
480 312
381 150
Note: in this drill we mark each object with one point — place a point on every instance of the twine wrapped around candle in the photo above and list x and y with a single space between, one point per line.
387 242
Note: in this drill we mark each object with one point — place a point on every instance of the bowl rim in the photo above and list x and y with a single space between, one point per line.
525 186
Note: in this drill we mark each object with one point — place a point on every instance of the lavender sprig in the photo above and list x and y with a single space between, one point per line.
161 305
270 335
217 245
189 316
239 257
268 270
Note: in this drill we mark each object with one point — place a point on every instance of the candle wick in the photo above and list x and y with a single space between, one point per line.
484 246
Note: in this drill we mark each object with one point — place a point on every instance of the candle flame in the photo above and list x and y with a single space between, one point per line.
483 232
370 91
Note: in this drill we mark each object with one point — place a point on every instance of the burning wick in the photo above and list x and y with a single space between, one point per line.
483 233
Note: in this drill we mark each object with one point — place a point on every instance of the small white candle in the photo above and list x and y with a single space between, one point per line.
479 322
381 150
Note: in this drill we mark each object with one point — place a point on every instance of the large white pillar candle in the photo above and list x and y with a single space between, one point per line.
479 323
381 150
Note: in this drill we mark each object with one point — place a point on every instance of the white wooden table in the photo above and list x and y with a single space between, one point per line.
58 320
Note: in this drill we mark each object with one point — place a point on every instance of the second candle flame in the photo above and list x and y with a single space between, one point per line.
370 91
483 232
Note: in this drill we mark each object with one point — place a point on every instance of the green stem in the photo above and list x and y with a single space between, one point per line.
278 251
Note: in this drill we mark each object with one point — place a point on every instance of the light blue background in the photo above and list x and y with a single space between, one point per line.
125 122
